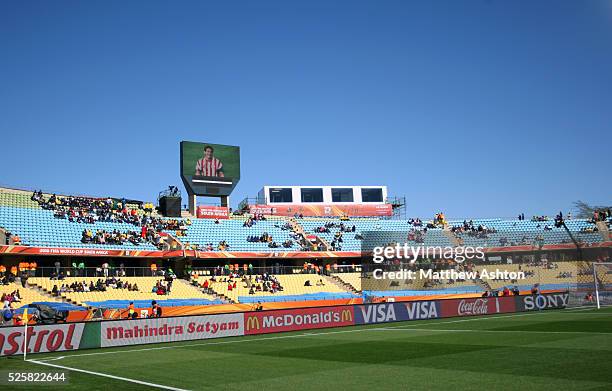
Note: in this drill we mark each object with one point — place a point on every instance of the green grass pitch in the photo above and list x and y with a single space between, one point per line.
548 350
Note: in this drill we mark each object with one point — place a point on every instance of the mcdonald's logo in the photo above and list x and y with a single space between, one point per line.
252 323
346 316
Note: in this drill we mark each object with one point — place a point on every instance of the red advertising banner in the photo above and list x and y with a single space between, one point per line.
298 319
88 252
212 212
477 306
91 252
280 254
357 210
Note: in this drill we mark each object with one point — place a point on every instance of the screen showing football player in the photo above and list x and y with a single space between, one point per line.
209 165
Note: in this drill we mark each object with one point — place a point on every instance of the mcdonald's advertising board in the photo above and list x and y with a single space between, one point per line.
298 319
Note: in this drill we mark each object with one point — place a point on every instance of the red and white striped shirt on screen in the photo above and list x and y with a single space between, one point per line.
209 167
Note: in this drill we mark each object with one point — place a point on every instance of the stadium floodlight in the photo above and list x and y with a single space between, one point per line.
602 280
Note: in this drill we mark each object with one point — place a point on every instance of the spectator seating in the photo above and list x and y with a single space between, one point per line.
37 227
382 231
204 231
180 290
121 304
292 285
524 232
546 277
28 295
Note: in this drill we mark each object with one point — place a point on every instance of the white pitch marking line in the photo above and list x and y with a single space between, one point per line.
107 375
491 331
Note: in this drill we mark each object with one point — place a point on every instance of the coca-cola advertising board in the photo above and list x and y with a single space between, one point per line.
477 306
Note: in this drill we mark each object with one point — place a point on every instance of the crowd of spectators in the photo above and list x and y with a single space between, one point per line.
163 287
481 231
118 238
336 243
601 215
9 298
101 285
254 283
91 210
415 222
416 235
265 237
262 283
252 220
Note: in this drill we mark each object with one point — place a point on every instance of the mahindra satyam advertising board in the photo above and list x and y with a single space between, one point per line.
155 330
298 319
41 339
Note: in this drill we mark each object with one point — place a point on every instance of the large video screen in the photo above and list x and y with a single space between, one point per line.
205 160
209 169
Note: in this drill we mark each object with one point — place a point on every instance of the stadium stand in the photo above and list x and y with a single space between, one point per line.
502 233
20 215
377 229
35 222
181 292
29 296
549 276
205 232
294 288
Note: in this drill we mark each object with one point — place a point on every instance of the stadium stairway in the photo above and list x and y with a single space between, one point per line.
482 283
343 285
602 227
221 296
454 239
322 243
353 280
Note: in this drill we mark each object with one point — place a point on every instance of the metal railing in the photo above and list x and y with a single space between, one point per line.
209 270
94 272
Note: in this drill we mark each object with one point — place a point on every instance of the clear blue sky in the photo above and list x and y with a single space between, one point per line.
475 108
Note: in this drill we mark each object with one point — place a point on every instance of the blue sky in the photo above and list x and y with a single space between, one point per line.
475 108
